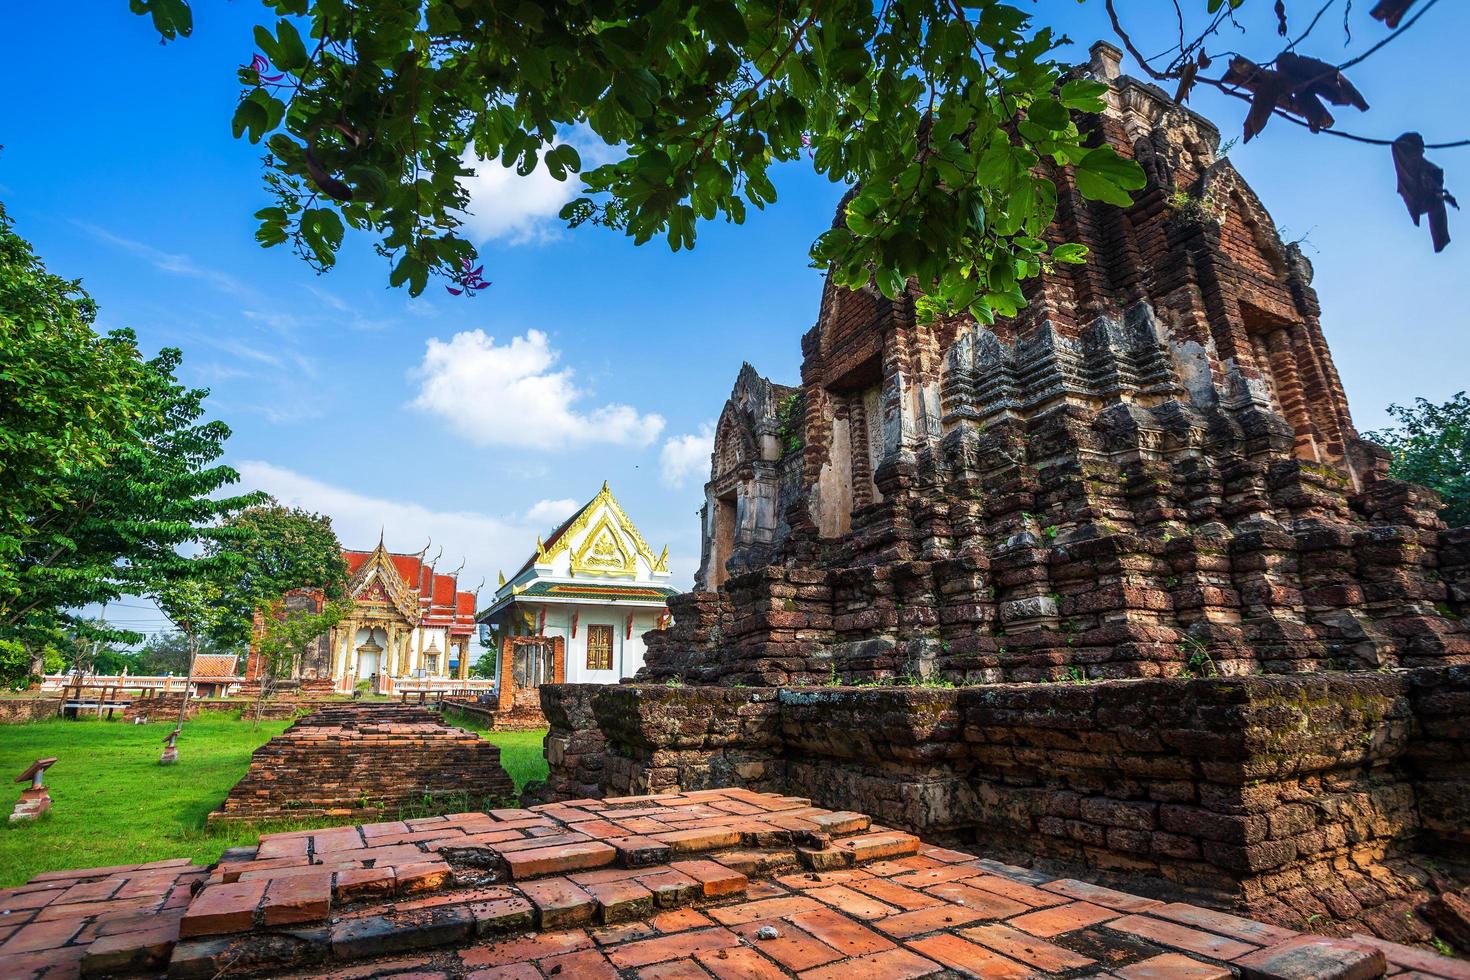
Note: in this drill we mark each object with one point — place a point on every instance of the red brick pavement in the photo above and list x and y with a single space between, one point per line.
653 888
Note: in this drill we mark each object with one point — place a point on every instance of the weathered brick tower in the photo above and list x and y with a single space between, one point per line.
1112 588
1151 472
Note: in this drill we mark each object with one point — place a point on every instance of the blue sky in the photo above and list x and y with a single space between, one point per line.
350 398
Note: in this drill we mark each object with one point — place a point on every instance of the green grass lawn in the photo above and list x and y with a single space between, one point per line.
112 803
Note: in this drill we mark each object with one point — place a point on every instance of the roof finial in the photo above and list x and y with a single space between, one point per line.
381 531
604 486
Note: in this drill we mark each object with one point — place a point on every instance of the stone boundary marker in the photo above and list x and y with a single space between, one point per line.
35 799
725 883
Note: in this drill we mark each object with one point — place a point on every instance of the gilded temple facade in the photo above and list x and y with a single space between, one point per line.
593 584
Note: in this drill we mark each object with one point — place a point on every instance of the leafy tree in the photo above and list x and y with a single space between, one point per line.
20 666
265 551
83 649
195 605
107 470
1431 447
68 395
157 492
485 665
170 653
283 640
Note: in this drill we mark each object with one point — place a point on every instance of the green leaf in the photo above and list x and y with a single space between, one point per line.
567 154
171 18
859 222
290 51
1105 162
723 20
1084 94
250 116
369 183
890 283
1096 188
1052 115
1071 253
1102 175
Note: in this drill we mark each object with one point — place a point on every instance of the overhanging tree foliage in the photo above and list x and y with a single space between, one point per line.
949 115
371 109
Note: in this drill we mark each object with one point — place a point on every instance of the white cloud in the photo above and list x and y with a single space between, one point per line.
171 262
505 205
549 513
687 456
511 395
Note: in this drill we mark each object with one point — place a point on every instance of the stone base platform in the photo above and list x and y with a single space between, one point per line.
717 883
366 761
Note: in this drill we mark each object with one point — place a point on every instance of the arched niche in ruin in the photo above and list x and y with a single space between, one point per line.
741 515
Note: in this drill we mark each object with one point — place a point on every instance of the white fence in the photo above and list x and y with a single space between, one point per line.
159 684
435 685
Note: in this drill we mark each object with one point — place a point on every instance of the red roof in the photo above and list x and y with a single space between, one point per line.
441 603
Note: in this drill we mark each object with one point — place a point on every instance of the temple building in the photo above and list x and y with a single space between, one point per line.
407 621
589 591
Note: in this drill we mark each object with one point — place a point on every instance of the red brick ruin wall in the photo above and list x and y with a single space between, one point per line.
1261 792
367 762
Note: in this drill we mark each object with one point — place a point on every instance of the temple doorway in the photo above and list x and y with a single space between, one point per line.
369 659
532 664
527 662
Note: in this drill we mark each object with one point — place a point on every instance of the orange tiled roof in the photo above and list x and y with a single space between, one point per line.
207 666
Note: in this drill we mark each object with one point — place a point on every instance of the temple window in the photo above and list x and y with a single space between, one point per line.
531 664
872 406
599 647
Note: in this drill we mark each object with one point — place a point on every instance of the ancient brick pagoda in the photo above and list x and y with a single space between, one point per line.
1153 465
1154 611
365 761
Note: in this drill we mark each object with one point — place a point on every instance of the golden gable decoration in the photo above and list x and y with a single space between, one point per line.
379 568
603 552
619 519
